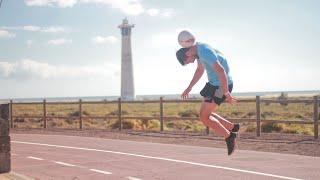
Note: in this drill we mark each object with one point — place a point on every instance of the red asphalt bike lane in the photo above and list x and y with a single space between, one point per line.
74 157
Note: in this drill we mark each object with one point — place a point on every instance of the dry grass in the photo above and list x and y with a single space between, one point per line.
295 111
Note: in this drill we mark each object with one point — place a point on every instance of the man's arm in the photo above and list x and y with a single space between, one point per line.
218 68
196 77
222 75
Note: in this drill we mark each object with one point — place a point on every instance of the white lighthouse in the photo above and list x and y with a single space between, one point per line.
127 80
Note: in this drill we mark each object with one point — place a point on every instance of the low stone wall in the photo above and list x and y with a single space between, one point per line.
5 156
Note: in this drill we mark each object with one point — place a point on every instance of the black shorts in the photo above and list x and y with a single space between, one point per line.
214 94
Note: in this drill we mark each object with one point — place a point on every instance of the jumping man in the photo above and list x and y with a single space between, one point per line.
216 91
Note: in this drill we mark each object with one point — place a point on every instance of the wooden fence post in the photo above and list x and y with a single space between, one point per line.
207 130
5 155
119 114
161 113
80 113
258 116
11 114
316 116
44 114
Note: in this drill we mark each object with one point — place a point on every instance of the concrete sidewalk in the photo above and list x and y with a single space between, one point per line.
14 176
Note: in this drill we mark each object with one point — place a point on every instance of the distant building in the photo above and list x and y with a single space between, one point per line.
127 79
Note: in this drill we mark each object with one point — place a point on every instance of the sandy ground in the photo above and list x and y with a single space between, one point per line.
267 142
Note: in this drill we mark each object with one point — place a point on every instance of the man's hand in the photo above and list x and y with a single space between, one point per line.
185 94
230 99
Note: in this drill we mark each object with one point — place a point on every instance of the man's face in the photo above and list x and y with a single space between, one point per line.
190 56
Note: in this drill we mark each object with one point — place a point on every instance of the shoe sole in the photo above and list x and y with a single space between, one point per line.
235 145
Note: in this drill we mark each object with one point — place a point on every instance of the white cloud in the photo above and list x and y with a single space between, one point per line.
50 29
128 7
59 3
30 69
29 43
167 12
54 29
102 40
153 12
31 28
66 3
38 2
6 68
162 13
58 42
6 34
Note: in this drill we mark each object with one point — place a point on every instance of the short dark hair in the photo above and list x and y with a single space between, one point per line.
181 55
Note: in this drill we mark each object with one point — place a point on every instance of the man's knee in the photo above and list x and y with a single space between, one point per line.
206 117
213 119
213 114
205 111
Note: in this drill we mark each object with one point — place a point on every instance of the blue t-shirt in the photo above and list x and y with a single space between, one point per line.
208 56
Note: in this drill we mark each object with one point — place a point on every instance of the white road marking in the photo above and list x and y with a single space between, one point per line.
62 163
164 159
100 171
133 178
36 158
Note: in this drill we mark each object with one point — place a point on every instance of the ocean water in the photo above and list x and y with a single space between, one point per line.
165 96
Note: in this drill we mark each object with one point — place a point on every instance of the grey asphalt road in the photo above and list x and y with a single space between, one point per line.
72 157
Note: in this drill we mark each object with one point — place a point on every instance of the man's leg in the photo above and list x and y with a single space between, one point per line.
234 127
205 111
227 124
212 122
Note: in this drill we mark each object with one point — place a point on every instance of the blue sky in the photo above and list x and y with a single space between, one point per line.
53 48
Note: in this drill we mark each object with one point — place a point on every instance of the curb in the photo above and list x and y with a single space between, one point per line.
14 176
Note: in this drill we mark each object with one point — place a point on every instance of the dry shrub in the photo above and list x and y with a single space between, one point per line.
189 113
153 124
20 120
77 113
127 124
251 128
272 127
115 113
